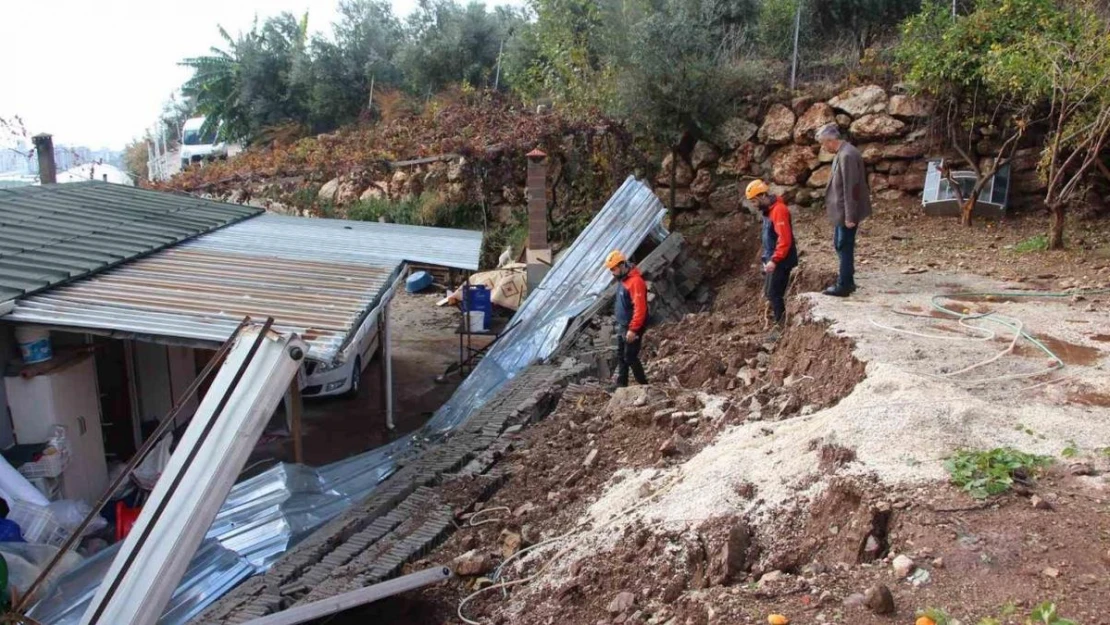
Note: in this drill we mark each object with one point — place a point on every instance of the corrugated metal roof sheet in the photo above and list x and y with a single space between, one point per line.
51 234
348 241
202 295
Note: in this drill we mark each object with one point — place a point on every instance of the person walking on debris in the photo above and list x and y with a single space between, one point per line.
780 250
847 201
631 312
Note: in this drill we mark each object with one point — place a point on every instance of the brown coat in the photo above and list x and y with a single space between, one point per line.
848 198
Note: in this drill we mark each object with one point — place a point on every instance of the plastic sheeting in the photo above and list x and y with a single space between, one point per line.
266 515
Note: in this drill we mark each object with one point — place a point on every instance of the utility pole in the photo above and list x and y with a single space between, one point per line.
497 80
953 9
797 27
370 102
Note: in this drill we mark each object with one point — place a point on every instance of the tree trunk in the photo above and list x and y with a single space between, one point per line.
1056 233
674 176
966 210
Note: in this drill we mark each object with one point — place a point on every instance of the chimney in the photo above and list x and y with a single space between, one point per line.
44 148
539 254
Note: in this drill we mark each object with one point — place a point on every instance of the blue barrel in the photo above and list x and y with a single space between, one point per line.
418 281
478 299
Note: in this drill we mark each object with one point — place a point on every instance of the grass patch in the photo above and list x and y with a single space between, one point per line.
987 473
1038 243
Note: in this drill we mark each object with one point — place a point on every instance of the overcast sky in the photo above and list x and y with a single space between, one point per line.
110 64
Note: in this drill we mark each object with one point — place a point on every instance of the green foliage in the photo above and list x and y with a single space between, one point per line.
429 209
939 616
1038 243
1045 614
987 473
1071 451
863 22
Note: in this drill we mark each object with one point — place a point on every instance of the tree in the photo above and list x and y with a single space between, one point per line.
862 21
1066 67
135 159
948 58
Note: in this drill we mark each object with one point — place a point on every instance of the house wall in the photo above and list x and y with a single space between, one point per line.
163 374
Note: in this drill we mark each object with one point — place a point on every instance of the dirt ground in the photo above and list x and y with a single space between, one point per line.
796 478
424 346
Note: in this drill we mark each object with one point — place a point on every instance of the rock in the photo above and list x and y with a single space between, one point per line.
328 191
801 104
1039 503
623 602
871 547
684 174
725 199
844 121
897 168
683 198
524 509
1051 572
803 197
826 157
909 107
704 155
746 375
675 446
510 543
879 600
861 101
1080 469
397 184
911 182
573 478
855 600
348 193
455 193
878 182
591 458
739 162
903 566
920 577
908 150
875 127
673 590
456 170
734 556
436 176
778 126
472 563
821 177
818 116
373 192
737 131
770 577
889 195
791 165
703 185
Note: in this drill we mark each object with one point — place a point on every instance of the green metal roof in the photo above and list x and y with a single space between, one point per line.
54 233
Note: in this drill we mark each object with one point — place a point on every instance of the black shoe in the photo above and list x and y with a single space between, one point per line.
836 291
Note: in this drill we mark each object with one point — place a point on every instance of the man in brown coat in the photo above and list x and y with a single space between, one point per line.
847 201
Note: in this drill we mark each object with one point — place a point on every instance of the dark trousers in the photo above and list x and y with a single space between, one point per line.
628 357
774 288
844 240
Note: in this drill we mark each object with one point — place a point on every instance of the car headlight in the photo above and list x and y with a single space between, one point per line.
324 367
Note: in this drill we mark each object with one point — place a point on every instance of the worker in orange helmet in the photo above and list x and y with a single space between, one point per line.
780 251
631 312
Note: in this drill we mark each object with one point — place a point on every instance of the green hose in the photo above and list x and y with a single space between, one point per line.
996 318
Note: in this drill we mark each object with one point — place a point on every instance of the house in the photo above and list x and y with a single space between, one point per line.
137 288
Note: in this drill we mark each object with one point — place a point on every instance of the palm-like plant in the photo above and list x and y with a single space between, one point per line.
215 87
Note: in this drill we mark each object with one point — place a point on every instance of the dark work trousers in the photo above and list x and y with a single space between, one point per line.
774 287
628 357
844 240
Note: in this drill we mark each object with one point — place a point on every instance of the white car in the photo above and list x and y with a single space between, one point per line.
196 147
331 379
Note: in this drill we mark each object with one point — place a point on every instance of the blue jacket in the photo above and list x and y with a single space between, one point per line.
630 307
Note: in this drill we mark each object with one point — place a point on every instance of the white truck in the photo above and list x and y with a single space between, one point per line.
196 147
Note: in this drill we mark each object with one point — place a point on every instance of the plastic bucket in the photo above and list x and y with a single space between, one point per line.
34 344
418 282
477 320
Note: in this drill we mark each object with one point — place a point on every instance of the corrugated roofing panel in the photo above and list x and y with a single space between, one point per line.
348 241
53 233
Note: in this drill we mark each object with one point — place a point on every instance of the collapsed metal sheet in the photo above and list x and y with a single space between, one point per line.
266 515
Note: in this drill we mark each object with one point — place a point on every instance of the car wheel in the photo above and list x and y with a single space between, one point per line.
356 378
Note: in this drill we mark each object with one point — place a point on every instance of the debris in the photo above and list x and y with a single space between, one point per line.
855 600
524 509
903 566
1039 503
510 543
746 375
573 478
914 270
1051 572
879 600
1080 468
472 563
675 446
938 563
872 547
770 577
591 458
920 577
623 602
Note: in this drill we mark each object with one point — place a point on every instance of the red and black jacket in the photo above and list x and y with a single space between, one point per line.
631 306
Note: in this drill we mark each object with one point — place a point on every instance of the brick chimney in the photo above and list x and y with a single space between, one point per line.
539 253
44 149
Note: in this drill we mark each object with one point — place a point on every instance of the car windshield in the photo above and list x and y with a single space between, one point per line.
193 137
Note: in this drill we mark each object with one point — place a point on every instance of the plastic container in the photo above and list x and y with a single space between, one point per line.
34 344
477 320
418 281
55 458
37 524
477 299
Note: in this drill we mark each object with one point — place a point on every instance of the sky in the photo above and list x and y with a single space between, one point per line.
111 64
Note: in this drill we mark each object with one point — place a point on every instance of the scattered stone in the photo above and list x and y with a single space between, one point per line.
591 458
876 127
704 155
920 577
524 509
820 177
675 446
903 566
938 563
872 547
856 600
818 116
778 126
770 577
623 602
1080 469
861 101
684 174
746 375
734 557
909 107
914 270
472 563
1051 572
738 131
1039 503
674 590
879 600
510 543
573 478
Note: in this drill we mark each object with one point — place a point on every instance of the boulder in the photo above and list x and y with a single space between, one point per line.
372 192
890 195
738 163
909 107
436 176
1025 160
472 563
703 185
455 193
397 184
737 131
726 198
801 104
912 182
328 191
882 166
414 186
877 127
704 155
778 126
684 174
844 121
792 164
861 101
683 198
911 150
824 156
456 170
804 197
877 182
820 178
897 168
348 193
816 117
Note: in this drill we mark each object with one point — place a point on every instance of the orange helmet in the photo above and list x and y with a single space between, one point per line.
755 189
614 259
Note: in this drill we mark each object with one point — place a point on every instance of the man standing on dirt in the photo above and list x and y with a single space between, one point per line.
847 201
780 252
631 312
